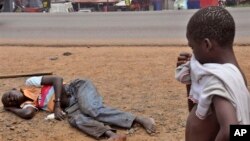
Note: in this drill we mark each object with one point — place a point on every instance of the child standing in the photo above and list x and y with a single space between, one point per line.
217 87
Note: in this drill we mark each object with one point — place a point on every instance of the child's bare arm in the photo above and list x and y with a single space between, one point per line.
26 113
190 102
182 59
226 115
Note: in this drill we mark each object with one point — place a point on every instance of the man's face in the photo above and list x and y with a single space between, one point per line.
12 98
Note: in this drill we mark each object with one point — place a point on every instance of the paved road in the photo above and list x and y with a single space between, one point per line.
102 28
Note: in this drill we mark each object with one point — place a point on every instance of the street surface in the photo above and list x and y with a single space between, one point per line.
107 28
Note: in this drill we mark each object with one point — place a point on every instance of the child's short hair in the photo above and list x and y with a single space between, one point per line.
213 22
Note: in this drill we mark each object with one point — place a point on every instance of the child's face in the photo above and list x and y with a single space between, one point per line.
198 51
12 98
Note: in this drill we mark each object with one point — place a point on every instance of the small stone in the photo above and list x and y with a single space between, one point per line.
67 53
8 125
14 122
149 106
30 123
26 129
53 58
12 128
131 131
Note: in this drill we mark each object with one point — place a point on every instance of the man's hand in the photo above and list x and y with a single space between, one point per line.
183 58
59 114
57 83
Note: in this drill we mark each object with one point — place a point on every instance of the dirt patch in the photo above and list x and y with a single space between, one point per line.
135 79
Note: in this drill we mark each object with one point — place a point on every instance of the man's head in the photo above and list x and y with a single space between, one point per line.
12 98
210 26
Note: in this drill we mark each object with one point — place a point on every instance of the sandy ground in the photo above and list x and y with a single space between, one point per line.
135 79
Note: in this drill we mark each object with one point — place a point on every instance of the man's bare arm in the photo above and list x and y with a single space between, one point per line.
57 83
226 115
26 113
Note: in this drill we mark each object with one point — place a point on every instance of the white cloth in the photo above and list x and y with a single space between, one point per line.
34 81
224 80
182 73
27 104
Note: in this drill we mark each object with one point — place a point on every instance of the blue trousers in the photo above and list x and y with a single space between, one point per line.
87 112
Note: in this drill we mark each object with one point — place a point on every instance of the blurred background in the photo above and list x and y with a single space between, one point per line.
111 5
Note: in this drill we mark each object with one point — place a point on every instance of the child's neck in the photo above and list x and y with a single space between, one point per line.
226 56
229 57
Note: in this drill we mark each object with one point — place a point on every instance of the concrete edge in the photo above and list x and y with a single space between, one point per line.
160 42
102 45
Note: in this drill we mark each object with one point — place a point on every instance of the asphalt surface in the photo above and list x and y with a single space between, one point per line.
107 28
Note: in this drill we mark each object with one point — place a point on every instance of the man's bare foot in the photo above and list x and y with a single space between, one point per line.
147 123
118 138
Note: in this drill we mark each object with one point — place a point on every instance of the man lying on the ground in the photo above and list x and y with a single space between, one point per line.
79 101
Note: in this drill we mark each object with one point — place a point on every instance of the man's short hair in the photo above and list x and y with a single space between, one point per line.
3 98
214 23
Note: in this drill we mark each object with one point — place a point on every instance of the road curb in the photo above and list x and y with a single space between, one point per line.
243 41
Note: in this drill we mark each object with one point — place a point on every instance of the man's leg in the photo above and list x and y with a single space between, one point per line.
124 119
92 127
115 117
90 103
